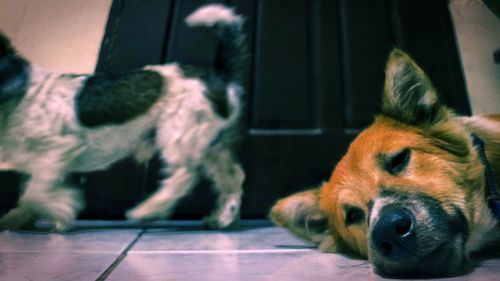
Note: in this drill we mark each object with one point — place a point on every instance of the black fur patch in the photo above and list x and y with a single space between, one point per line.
232 52
216 87
115 100
14 71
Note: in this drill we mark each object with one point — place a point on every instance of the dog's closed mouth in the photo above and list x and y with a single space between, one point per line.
441 262
413 235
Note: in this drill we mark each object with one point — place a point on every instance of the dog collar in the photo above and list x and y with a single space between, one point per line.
491 190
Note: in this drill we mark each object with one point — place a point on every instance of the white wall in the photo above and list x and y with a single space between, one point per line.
63 35
478 35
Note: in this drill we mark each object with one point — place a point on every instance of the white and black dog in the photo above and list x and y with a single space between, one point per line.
52 124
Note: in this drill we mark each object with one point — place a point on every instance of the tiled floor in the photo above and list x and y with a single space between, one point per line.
254 250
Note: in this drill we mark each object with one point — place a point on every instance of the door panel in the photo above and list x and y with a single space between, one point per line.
134 35
282 97
366 40
296 131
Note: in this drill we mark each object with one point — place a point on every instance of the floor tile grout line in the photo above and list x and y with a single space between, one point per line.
120 257
55 252
210 252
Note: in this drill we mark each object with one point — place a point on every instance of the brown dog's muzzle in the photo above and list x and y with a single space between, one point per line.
413 235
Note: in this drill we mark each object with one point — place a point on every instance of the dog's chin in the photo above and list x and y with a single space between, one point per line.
446 260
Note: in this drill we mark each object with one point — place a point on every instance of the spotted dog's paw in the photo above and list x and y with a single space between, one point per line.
224 215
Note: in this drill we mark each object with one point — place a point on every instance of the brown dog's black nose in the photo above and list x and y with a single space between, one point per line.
393 235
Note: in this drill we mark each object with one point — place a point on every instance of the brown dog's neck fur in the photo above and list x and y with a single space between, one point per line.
491 138
493 155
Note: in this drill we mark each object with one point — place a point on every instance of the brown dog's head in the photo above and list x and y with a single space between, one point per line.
409 193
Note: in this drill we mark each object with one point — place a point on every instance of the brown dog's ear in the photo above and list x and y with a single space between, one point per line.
409 95
301 215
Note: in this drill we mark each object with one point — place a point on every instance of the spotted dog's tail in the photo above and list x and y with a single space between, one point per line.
13 73
232 53
228 28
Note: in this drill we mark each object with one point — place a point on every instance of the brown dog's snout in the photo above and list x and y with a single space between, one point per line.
414 236
394 233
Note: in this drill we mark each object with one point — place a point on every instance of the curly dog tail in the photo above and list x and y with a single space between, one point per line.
228 27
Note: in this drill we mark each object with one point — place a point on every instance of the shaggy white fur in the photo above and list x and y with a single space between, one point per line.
43 137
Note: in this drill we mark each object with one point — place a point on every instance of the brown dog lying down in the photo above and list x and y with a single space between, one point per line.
416 192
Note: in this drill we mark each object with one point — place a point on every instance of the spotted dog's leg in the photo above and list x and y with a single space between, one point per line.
19 217
227 176
173 188
59 205
44 194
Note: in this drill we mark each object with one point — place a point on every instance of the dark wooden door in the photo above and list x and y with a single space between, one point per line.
313 81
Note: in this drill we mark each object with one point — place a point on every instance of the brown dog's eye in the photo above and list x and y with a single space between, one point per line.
353 215
398 162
